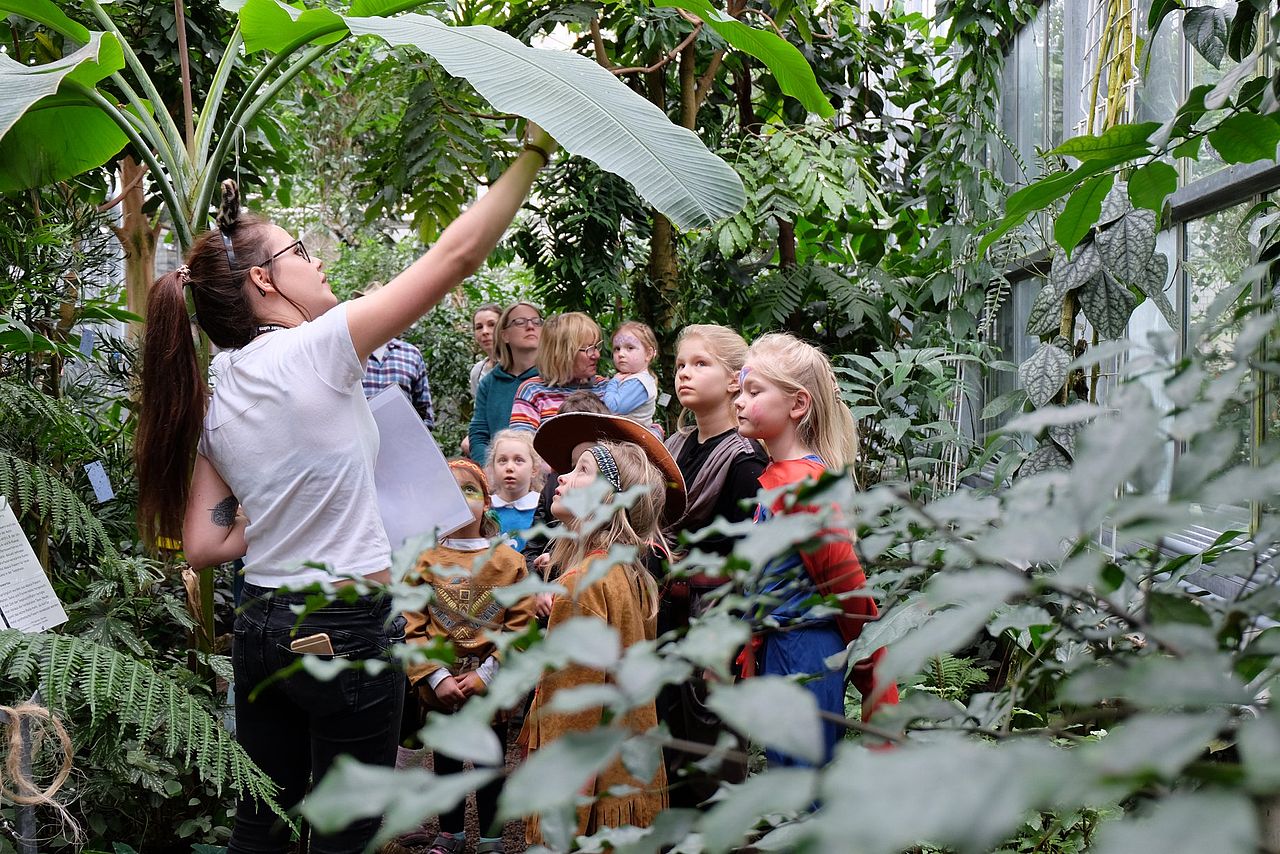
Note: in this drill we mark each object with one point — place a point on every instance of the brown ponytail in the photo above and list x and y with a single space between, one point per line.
173 401
174 393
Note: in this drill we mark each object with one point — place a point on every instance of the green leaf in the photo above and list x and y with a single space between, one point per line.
1121 141
553 774
891 627
1217 821
792 71
1158 683
1245 137
47 13
48 136
272 26
1160 9
1043 373
467 739
1160 744
1259 743
1176 608
402 797
1046 457
1081 211
588 111
1045 317
781 790
1149 185
1126 247
773 711
1205 27
1108 305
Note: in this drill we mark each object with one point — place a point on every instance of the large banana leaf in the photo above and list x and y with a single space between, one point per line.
47 135
46 12
588 110
794 74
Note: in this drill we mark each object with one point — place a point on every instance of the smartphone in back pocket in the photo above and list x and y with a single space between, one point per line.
317 644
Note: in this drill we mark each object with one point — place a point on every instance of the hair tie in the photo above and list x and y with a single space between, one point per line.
475 470
608 466
184 275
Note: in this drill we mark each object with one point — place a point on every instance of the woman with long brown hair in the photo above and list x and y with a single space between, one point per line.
277 466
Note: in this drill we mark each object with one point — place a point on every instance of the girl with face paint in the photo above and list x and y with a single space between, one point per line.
464 570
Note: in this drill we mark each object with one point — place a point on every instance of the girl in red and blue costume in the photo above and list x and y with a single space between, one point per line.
789 401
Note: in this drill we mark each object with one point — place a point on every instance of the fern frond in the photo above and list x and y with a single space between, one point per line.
74 673
33 490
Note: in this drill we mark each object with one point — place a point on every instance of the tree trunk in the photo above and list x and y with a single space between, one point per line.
655 300
138 239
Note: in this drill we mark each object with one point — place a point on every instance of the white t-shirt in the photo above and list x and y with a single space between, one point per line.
290 431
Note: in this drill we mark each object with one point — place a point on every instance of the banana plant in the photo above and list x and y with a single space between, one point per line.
65 117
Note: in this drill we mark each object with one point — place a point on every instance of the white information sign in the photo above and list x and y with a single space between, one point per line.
27 600
416 491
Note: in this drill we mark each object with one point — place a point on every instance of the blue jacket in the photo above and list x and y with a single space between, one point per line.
494 396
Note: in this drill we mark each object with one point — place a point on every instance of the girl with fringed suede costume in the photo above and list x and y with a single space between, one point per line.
464 570
626 598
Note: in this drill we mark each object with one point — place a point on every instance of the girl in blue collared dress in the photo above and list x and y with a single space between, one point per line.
516 472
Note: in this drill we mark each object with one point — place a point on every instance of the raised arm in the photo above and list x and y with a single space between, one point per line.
380 316
213 528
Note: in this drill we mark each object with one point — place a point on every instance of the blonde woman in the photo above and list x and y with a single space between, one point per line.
567 358
626 597
515 347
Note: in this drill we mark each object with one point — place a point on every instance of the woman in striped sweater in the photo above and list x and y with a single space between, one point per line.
568 354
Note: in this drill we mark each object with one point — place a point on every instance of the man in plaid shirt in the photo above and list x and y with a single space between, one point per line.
399 362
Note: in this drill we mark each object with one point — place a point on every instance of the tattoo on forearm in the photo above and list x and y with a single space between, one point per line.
224 514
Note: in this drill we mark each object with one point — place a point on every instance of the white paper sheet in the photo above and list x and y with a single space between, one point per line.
27 600
416 491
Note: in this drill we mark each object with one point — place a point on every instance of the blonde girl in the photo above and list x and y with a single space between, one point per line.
568 355
789 400
722 470
516 474
463 611
625 598
633 391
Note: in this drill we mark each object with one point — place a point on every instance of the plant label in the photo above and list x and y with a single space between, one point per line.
99 481
86 341
27 600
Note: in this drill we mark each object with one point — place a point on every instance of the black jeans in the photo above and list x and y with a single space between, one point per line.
294 727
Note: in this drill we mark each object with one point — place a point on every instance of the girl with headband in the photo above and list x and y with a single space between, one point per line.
625 597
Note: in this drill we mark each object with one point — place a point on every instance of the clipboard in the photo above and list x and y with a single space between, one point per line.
417 494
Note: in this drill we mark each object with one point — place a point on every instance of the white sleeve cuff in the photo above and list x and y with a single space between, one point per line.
435 677
487 670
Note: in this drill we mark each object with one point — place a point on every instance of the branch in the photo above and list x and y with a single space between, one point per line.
137 179
859 726
672 54
764 15
601 56
708 77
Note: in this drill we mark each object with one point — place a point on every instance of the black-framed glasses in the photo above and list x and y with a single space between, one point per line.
596 348
297 244
523 322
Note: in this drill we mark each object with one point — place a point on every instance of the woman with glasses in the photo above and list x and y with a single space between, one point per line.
277 466
567 358
516 341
